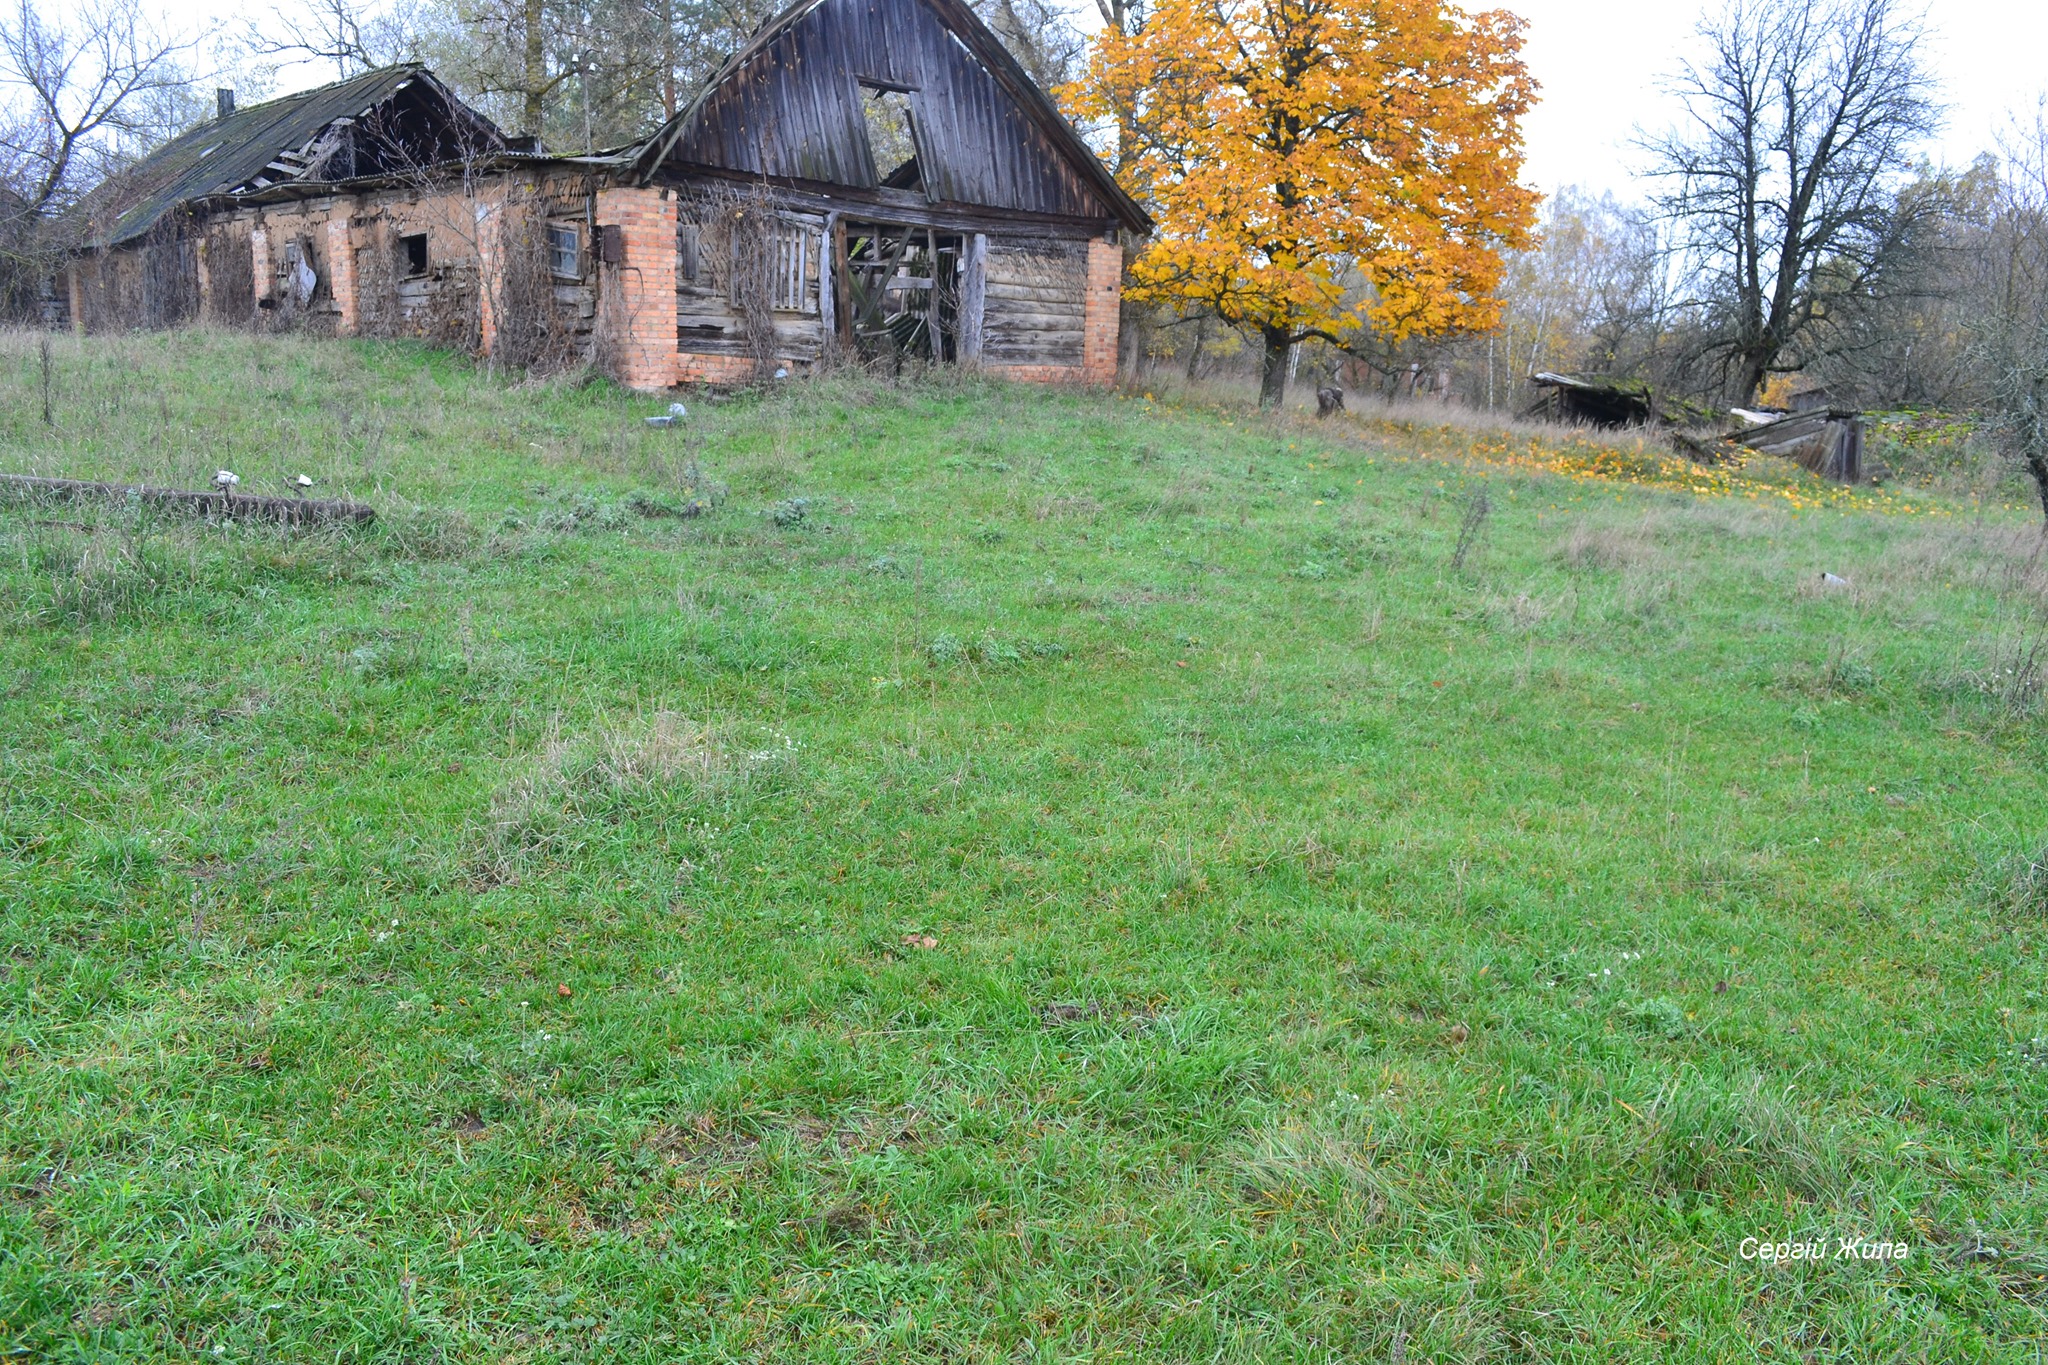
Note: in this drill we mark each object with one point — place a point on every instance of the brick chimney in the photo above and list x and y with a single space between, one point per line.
224 101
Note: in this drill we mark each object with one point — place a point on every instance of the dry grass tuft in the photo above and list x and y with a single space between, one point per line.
1608 547
1079 507
615 770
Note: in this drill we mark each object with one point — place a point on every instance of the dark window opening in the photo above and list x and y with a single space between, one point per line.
892 131
565 251
412 250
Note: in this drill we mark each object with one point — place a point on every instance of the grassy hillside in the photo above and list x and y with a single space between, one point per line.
1027 876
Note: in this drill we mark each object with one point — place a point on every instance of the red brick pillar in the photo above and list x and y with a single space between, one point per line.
341 274
1100 314
490 271
637 295
259 265
202 267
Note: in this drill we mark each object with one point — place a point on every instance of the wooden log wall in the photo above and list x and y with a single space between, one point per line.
706 323
1035 301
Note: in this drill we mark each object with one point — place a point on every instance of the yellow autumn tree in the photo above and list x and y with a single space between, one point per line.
1320 168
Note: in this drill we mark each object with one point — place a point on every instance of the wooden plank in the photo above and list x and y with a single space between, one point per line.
974 299
210 503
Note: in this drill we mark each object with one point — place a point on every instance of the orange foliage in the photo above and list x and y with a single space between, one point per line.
1321 167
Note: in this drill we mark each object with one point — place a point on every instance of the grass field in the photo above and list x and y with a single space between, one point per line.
1027 876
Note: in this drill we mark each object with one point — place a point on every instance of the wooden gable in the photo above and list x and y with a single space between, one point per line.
790 105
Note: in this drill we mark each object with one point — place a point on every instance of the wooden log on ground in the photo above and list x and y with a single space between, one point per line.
213 504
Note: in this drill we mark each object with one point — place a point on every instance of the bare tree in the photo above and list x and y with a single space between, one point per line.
1589 295
1802 119
1039 34
2009 308
1123 16
355 35
82 91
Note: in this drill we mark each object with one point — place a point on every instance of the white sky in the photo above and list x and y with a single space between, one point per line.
1600 62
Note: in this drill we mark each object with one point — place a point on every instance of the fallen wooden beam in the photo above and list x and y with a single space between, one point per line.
213 504
1828 441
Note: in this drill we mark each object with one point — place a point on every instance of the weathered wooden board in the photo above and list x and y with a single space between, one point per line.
209 503
791 106
1036 304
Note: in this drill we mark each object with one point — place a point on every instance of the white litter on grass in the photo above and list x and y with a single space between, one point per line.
678 410
1829 580
302 482
661 421
226 478
781 372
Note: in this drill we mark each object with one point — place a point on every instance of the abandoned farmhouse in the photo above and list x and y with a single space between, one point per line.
876 178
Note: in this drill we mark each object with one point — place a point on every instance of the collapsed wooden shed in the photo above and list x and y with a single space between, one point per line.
1827 441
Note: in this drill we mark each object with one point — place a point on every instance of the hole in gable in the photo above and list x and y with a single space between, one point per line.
892 136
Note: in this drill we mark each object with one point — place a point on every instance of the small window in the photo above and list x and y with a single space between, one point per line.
412 254
565 251
686 251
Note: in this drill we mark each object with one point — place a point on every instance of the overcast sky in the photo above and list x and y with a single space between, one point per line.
1600 63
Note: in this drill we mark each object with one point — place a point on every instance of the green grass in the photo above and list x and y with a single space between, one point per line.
1090 881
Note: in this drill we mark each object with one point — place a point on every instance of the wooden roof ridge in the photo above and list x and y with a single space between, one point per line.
979 40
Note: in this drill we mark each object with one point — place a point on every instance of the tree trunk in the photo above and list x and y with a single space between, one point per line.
1195 354
536 72
2037 465
1755 367
1273 367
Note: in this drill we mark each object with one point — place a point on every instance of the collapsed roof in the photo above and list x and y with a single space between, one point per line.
383 121
786 106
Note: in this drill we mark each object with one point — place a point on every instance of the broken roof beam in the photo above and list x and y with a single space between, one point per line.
1828 441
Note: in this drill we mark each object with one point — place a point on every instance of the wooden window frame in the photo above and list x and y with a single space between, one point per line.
572 252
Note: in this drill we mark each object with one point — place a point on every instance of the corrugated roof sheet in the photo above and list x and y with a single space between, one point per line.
224 154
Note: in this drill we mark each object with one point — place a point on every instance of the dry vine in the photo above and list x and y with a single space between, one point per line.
738 227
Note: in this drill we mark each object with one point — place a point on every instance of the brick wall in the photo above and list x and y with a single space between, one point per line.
694 368
1101 314
1043 374
341 274
637 297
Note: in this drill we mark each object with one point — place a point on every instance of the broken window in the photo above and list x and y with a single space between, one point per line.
299 277
565 251
902 288
686 251
412 254
892 134
792 290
